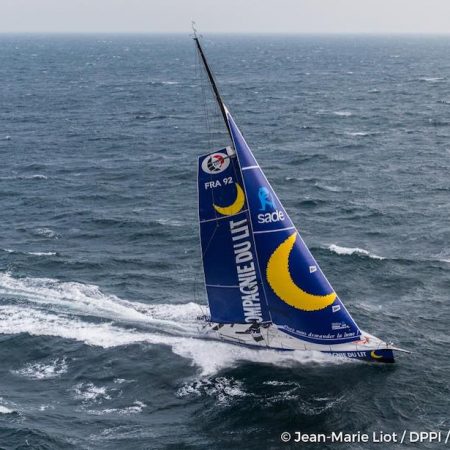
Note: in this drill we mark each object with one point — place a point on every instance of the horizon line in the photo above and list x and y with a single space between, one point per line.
241 33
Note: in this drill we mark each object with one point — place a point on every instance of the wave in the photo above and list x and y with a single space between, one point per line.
343 113
41 253
46 232
223 389
136 408
9 250
43 371
328 188
353 251
360 133
226 390
47 307
432 79
5 410
88 300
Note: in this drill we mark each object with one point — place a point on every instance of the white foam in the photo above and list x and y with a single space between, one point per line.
342 113
47 232
8 250
223 389
432 79
352 251
91 393
37 176
5 410
43 371
135 408
86 299
42 253
58 309
328 188
358 133
170 222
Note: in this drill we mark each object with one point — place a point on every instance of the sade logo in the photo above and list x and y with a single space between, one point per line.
267 204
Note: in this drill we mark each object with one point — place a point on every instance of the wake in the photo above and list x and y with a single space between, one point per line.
48 307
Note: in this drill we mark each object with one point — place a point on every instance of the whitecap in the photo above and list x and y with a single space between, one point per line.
42 253
358 133
46 232
352 251
5 410
170 222
328 188
135 408
9 250
43 370
342 113
90 393
432 79
222 389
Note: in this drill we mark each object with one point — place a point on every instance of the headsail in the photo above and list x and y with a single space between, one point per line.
232 277
301 301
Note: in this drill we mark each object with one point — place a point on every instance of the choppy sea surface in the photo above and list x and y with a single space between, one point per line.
100 276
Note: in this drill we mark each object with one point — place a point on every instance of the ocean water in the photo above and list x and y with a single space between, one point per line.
100 276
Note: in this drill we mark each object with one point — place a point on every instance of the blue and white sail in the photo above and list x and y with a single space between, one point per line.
232 276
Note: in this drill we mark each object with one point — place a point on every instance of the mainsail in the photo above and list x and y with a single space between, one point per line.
257 267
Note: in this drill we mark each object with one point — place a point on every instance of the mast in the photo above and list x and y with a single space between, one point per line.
212 81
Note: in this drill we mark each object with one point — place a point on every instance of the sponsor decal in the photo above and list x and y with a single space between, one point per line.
235 206
265 198
267 204
215 163
245 268
280 280
339 326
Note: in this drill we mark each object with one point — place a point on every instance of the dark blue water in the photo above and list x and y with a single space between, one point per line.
100 277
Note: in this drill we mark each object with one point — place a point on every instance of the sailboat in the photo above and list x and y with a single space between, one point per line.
264 288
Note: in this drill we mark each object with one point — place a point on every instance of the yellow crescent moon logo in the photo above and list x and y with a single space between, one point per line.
283 285
374 355
235 207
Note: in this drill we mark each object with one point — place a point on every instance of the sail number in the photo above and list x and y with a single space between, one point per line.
217 183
